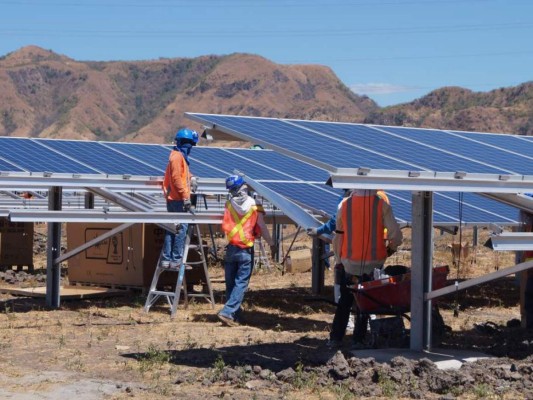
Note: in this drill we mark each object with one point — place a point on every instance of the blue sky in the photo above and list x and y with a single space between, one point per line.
391 50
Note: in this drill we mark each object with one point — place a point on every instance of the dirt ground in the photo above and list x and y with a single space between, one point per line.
111 349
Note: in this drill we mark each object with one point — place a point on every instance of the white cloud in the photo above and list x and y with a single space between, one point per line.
380 88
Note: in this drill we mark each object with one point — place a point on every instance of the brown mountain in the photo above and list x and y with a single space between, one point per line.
505 110
50 95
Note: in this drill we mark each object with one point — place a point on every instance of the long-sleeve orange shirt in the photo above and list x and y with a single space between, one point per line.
177 181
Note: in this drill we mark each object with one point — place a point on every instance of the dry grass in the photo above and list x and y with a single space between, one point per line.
145 353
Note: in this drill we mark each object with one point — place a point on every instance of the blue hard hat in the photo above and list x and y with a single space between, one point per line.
234 182
187 135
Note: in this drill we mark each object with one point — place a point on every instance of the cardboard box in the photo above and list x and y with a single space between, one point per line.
128 258
16 243
299 261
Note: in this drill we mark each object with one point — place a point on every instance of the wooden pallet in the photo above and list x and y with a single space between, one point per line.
108 286
67 292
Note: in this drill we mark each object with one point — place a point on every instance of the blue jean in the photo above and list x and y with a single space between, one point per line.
238 265
174 242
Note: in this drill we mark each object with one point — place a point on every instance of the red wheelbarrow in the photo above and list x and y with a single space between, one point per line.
392 295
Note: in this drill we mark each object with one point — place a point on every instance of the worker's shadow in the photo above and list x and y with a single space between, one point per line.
286 309
272 321
272 356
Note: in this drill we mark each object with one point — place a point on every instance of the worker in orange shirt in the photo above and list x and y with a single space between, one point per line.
177 190
360 247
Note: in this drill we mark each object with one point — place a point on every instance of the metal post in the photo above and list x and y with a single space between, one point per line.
474 236
53 270
89 200
421 269
277 238
317 266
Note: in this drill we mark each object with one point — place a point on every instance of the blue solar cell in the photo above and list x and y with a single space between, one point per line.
101 158
33 157
317 197
227 161
416 154
153 154
8 167
500 161
294 168
446 208
157 156
512 143
304 142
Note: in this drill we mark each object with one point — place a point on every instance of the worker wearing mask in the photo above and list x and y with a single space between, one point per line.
177 185
243 223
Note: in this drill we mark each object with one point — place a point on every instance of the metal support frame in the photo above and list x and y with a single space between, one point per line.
92 242
53 269
277 236
421 270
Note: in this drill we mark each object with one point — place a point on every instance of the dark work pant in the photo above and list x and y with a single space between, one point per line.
528 301
344 308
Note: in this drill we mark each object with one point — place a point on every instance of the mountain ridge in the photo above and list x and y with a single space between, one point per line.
45 94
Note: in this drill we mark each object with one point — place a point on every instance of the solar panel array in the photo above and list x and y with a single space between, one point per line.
297 180
346 145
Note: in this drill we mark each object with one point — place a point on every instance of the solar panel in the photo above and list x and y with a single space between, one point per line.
8 167
512 143
101 158
33 157
295 179
461 146
226 161
291 167
415 153
297 141
345 145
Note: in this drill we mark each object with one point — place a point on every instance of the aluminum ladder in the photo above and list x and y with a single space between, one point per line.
173 297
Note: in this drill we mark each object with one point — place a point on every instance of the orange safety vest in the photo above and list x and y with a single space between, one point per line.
240 230
362 218
177 171
384 196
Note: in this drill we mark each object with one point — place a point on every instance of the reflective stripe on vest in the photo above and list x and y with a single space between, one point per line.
363 229
240 222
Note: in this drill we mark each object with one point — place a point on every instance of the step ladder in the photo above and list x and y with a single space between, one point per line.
173 297
260 256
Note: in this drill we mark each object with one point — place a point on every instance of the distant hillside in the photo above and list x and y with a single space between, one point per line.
505 110
49 95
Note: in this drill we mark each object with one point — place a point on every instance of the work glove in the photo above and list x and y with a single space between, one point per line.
313 232
194 184
187 205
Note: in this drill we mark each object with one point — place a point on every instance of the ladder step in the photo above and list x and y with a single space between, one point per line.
162 293
194 263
